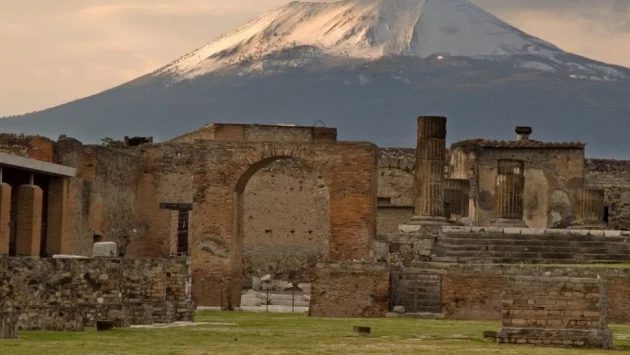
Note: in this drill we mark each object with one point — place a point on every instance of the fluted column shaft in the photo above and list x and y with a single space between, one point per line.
430 158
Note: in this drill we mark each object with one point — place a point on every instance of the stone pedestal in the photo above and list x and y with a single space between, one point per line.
29 220
5 217
429 177
104 250
508 195
589 212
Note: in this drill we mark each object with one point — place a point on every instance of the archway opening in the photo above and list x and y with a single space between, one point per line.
282 229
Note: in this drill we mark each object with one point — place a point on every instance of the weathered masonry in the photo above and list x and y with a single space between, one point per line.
34 198
198 196
68 294
555 311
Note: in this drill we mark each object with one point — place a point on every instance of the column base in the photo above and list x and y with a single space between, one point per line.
509 223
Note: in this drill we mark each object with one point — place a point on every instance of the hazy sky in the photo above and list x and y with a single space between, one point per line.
54 51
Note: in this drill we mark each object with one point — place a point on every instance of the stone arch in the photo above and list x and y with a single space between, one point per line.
290 267
347 169
254 162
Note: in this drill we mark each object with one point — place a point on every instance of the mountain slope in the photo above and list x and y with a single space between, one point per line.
368 67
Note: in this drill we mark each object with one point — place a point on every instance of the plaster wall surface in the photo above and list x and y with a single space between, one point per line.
552 178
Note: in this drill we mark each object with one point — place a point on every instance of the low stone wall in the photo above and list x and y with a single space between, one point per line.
473 291
350 290
70 294
559 311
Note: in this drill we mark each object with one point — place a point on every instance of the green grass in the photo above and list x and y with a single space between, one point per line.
286 334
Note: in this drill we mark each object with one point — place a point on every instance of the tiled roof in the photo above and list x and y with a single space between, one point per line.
527 144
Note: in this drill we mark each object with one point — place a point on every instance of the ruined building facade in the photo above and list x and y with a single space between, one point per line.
250 200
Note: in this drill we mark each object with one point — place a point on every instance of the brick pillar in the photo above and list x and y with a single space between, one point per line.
59 240
456 196
29 220
429 178
508 196
589 212
5 217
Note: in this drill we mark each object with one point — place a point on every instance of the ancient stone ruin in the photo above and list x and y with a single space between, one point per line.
560 311
427 229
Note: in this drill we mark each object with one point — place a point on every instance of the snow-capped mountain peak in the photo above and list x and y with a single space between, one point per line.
365 29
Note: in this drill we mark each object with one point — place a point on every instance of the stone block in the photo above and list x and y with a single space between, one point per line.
51 318
8 325
533 231
559 232
163 312
513 230
105 250
580 232
596 233
612 233
140 313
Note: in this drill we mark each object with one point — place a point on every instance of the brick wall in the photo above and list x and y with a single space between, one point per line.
473 291
68 294
395 188
612 176
286 225
102 198
350 290
348 170
555 311
33 147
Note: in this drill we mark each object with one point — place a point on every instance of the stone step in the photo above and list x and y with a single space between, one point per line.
528 241
564 238
532 248
476 260
531 255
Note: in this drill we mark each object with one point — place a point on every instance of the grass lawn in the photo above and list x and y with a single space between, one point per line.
249 333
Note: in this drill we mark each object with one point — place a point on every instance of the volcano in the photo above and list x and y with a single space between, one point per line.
367 67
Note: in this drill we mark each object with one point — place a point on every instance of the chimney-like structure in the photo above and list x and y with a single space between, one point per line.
523 133
429 177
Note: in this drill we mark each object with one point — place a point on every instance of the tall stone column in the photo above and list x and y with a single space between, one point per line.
456 197
29 220
509 192
589 212
429 177
5 217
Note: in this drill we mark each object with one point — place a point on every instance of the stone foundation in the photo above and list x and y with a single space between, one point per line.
350 290
51 318
555 311
70 294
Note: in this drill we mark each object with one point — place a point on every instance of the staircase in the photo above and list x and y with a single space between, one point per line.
515 245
